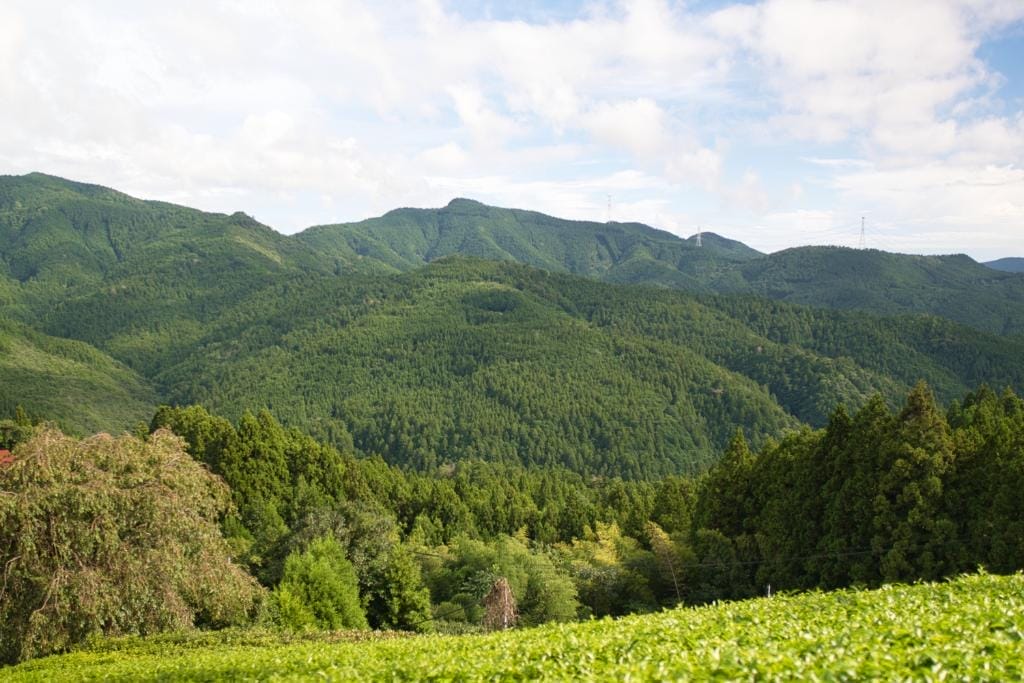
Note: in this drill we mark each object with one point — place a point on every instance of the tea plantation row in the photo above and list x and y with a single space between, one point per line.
971 628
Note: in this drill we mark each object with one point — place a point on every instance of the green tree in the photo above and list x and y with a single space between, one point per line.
320 589
913 536
111 536
724 503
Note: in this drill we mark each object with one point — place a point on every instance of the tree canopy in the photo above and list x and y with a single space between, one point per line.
111 536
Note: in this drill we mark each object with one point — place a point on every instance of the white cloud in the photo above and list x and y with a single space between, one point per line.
486 126
365 106
444 158
635 125
944 207
700 167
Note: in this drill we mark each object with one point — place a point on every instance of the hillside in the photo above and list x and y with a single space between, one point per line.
58 231
892 633
406 239
482 359
1012 264
69 382
58 236
459 358
954 287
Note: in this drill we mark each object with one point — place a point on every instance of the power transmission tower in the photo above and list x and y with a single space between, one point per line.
863 240
608 214
700 235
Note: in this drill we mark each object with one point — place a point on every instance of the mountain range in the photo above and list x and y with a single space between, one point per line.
470 331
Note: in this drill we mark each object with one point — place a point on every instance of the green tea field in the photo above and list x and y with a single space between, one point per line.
971 628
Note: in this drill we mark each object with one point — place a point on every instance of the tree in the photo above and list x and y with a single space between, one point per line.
13 432
913 536
389 580
669 557
111 536
725 497
499 607
320 589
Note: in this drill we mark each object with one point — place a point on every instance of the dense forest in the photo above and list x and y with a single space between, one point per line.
475 359
114 305
344 541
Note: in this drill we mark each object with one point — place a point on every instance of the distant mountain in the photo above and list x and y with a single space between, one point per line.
56 230
406 239
86 262
954 287
385 335
1011 264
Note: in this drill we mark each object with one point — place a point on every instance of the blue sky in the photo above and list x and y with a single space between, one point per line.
778 123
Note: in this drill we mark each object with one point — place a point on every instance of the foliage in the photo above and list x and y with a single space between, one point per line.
319 589
612 572
73 384
111 536
872 498
542 592
16 430
896 633
463 359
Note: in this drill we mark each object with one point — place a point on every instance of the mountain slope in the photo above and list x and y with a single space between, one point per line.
1011 264
82 389
464 358
468 358
132 276
58 231
954 287
59 238
406 239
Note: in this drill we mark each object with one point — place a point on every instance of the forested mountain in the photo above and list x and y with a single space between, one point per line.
1011 264
955 287
60 232
356 340
406 239
70 382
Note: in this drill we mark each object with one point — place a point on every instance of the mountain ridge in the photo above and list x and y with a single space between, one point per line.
465 357
1009 264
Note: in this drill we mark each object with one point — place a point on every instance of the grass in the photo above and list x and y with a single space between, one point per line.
971 628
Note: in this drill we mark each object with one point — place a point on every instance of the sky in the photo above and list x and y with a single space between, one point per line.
777 123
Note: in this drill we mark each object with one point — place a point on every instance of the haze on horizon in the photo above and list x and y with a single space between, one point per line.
777 123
